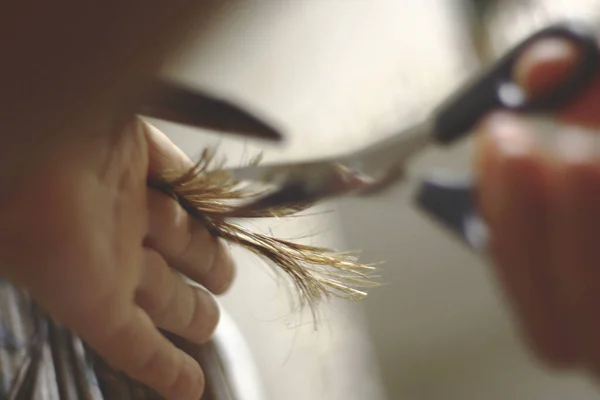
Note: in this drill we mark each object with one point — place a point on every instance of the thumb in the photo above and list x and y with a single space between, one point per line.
550 61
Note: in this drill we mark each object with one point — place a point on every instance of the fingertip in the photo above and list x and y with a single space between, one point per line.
163 154
190 383
222 274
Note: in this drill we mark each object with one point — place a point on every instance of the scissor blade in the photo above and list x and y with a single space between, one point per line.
179 104
392 151
254 173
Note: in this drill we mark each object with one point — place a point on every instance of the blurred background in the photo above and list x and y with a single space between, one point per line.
335 75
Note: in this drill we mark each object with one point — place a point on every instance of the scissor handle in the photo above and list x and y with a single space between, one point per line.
496 89
452 204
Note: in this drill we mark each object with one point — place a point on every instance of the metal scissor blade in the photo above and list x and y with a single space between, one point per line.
177 103
280 173
393 150
372 160
368 171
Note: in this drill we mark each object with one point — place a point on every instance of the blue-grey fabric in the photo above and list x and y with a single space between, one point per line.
47 362
25 332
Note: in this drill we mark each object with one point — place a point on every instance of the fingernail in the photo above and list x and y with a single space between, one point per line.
577 145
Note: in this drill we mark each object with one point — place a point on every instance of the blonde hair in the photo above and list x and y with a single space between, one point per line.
209 193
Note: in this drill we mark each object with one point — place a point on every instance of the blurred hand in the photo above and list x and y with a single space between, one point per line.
79 228
104 255
543 207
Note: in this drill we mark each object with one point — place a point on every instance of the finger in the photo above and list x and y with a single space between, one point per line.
486 164
184 242
550 61
187 245
135 346
163 154
174 305
576 233
516 181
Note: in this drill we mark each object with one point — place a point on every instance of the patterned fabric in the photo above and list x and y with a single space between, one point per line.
43 361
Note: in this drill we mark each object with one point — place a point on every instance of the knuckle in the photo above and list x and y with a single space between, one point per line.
109 311
157 288
154 304
186 245
224 281
204 318
116 342
148 367
169 221
162 373
196 247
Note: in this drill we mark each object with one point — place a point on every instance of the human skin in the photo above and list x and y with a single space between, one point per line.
79 228
102 253
542 203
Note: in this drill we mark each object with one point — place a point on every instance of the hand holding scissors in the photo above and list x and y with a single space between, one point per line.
541 203
540 207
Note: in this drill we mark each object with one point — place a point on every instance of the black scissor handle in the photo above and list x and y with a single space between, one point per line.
496 89
452 204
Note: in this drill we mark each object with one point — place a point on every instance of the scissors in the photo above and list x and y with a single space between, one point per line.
172 101
379 166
